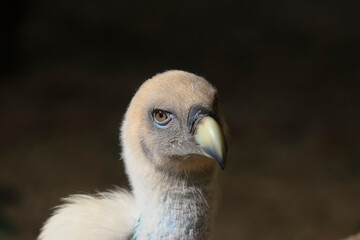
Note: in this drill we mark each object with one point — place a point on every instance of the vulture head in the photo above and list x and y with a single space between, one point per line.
172 124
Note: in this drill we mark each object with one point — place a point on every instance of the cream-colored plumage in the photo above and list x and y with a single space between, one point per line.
170 166
93 217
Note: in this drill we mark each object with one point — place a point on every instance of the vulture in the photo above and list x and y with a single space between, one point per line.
173 147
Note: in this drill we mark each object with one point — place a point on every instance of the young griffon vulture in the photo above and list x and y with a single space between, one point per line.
172 144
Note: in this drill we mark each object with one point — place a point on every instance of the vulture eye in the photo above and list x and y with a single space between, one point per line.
161 117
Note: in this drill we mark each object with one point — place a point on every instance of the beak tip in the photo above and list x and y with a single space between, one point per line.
221 163
221 160
222 166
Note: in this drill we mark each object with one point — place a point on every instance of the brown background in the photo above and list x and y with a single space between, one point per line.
287 74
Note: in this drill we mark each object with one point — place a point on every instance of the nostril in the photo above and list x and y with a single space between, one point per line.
195 114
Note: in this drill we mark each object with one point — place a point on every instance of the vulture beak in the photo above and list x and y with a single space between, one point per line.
208 134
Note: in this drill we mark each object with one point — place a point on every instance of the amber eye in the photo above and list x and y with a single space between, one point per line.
161 117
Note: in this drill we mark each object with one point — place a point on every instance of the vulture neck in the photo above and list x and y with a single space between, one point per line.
175 206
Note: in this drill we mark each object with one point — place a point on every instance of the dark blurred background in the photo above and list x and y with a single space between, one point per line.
287 73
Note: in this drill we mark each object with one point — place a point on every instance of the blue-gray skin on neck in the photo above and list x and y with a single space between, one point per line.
185 214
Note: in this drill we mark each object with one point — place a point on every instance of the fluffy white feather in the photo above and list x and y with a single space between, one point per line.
107 216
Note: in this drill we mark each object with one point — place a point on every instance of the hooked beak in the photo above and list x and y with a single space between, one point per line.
209 135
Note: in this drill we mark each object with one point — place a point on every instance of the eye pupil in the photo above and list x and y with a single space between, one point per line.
161 116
